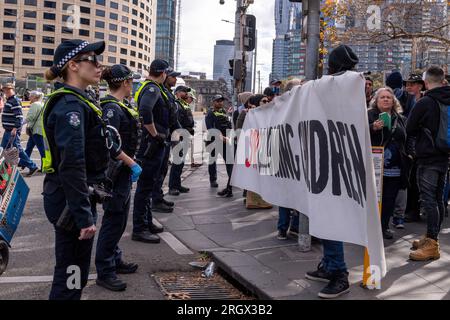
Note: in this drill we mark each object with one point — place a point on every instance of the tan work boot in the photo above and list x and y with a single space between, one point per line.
254 201
418 243
428 251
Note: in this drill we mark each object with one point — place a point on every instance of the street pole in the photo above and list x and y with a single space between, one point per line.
312 39
254 62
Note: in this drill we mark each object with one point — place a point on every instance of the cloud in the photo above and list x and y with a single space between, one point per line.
201 27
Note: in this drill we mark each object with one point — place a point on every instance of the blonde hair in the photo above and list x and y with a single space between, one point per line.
292 83
397 107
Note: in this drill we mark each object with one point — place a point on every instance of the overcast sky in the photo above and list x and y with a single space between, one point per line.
201 26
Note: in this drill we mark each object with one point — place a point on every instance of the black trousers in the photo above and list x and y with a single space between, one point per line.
212 167
108 253
71 254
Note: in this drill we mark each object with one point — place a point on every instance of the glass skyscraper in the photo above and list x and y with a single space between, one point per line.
166 30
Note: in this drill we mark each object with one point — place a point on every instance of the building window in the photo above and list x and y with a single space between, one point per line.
125 19
123 61
31 3
112 48
85 21
112 60
99 35
9 24
46 63
113 16
48 39
49 4
7 60
29 14
100 13
28 62
66 30
112 38
114 5
49 16
29 50
7 48
29 26
83 32
11 1
48 28
85 10
10 12
124 30
29 38
99 24
48 52
100 2
123 51
125 9
113 27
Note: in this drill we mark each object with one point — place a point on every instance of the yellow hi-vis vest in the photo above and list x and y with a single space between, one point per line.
47 163
144 84
130 110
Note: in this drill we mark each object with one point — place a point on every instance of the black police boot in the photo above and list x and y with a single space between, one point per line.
227 193
183 189
155 229
174 192
161 207
214 184
168 203
113 284
337 286
126 268
145 236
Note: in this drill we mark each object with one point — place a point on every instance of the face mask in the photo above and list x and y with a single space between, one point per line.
276 90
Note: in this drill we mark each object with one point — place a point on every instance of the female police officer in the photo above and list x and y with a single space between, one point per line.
76 158
125 119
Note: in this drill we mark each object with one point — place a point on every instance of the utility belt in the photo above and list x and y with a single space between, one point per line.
154 146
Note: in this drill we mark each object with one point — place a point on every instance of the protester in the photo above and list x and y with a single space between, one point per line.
242 98
275 85
268 92
369 90
392 137
218 119
288 220
12 121
292 83
432 162
154 108
121 174
332 269
76 158
34 124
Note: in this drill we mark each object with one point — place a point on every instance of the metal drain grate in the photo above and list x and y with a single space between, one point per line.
192 286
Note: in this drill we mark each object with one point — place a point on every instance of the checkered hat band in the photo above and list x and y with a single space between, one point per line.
128 77
71 54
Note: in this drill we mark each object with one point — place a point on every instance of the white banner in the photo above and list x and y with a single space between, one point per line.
310 150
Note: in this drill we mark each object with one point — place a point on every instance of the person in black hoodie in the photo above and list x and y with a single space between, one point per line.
392 137
432 163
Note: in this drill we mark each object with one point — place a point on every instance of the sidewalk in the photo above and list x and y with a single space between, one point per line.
243 243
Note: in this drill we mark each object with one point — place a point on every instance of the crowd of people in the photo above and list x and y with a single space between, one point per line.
96 150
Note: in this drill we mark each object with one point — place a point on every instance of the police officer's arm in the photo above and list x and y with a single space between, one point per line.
146 103
70 136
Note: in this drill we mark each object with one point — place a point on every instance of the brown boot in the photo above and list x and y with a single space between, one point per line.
418 243
254 201
428 251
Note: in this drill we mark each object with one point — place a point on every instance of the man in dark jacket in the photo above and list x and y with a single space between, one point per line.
332 269
432 163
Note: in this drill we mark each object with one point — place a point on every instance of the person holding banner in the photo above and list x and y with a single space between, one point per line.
388 130
333 269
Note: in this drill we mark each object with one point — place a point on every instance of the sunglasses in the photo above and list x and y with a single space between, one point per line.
265 101
92 59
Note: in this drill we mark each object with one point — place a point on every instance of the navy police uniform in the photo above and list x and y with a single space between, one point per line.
154 109
108 254
76 156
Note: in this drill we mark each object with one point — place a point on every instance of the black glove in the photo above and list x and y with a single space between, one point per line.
411 147
160 138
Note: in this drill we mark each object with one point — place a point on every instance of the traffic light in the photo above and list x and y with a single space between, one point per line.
231 69
295 0
250 33
235 69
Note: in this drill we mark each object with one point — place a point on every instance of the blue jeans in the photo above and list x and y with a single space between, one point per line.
284 219
333 256
431 182
36 140
25 160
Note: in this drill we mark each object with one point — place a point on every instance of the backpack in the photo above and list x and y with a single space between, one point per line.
443 134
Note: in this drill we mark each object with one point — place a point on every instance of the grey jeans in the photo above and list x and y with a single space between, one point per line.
400 204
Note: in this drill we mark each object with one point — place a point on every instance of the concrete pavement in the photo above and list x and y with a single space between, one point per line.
243 243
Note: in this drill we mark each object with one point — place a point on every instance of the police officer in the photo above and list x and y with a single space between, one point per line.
216 118
159 204
76 157
121 174
186 120
154 109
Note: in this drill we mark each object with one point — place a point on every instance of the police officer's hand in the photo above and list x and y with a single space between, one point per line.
160 138
136 171
87 233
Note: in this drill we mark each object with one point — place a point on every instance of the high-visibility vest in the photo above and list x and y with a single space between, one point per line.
128 109
144 84
47 162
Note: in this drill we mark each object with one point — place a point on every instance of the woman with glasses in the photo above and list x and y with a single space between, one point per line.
76 158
